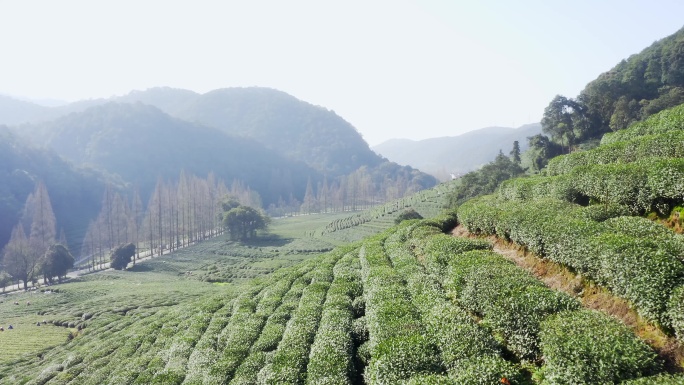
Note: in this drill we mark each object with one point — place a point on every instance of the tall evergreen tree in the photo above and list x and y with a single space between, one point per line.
515 153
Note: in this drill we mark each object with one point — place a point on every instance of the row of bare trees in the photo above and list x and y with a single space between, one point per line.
177 214
356 191
31 250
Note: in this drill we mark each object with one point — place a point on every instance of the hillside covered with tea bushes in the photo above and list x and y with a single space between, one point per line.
588 213
409 305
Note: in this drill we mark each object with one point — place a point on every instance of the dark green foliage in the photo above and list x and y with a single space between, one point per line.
406 215
588 347
485 180
663 379
665 122
56 262
121 256
563 120
638 262
242 222
540 150
515 153
510 300
636 88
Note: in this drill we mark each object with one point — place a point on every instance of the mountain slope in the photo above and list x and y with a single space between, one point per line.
141 143
456 154
284 124
75 193
14 111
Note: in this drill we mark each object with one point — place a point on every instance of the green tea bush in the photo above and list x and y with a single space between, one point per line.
665 121
600 212
663 379
645 228
457 336
330 359
510 300
398 346
567 243
291 358
524 189
638 270
664 145
431 379
463 265
588 347
400 358
486 371
438 250
637 260
479 216
675 312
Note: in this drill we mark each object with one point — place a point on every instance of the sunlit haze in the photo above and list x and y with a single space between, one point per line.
394 69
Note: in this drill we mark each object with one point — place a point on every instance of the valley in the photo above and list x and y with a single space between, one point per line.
256 238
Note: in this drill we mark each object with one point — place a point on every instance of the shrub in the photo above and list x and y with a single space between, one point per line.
675 312
513 303
121 256
400 358
663 379
406 215
486 371
588 347
636 269
665 121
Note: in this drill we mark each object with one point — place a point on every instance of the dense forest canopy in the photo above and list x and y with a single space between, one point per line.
638 87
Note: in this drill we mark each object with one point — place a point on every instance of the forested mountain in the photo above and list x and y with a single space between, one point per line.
14 111
75 193
169 100
456 154
293 154
281 122
140 143
636 88
284 124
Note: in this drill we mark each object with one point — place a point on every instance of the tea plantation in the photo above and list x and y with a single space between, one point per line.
356 299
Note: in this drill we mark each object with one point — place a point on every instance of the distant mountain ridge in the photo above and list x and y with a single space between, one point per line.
286 150
443 156
140 143
294 128
72 190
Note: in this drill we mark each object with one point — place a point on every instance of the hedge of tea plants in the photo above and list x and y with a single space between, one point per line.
663 122
637 261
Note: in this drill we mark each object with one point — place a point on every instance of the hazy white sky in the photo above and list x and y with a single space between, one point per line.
412 69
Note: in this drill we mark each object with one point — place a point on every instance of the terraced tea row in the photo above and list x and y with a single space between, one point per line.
410 305
637 259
